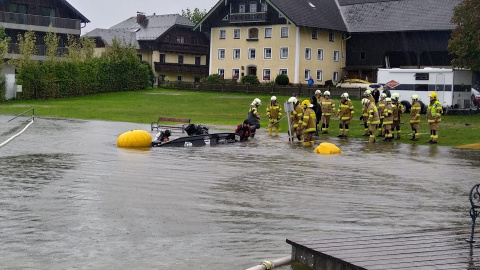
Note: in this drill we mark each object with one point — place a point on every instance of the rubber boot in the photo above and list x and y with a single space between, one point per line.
276 132
269 132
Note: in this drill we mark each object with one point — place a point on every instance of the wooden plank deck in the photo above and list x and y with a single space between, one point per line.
421 250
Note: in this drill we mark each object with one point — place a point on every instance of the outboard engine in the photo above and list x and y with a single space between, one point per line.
193 129
163 136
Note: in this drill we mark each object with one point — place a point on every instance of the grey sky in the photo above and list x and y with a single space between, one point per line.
106 13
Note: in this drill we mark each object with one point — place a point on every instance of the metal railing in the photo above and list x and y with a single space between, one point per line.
41 50
28 19
32 119
247 17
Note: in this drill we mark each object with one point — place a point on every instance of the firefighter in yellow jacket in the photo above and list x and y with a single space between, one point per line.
373 118
309 123
434 116
295 116
381 107
274 113
368 95
415 117
388 120
345 114
328 108
398 110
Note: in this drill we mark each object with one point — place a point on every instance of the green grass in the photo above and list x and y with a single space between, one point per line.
213 108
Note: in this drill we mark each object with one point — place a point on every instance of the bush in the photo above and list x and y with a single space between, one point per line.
214 78
249 79
282 79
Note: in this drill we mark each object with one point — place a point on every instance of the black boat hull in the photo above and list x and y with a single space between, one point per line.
199 140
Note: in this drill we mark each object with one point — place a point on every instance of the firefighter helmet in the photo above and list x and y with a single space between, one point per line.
273 98
318 92
415 97
365 101
326 93
368 93
292 100
305 103
344 95
257 101
433 95
388 99
395 96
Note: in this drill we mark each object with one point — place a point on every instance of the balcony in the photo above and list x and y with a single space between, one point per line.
183 48
247 17
13 49
36 20
181 68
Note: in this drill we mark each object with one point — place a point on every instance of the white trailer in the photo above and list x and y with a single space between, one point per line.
453 86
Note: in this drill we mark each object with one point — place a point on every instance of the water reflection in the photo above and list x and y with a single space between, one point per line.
68 193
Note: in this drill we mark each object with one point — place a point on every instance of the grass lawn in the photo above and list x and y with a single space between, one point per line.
213 108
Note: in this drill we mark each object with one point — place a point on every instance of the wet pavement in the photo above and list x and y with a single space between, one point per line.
70 199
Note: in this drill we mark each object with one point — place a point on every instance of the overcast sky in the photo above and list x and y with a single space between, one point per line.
107 13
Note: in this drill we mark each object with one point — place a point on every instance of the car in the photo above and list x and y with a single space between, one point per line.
354 83
475 97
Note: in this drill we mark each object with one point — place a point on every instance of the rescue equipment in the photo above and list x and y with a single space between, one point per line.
134 138
327 149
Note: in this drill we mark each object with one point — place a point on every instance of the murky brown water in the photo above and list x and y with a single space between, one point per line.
70 199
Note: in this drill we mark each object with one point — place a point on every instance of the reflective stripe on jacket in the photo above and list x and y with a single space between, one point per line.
434 112
309 121
415 112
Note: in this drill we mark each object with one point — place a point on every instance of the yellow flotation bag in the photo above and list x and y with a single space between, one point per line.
327 149
135 138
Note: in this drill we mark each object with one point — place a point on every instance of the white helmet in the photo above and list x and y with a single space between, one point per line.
273 98
344 95
395 96
384 95
318 92
415 97
292 100
257 101
365 101
326 93
388 99
367 92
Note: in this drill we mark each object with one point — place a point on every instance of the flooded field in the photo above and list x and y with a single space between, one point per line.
70 199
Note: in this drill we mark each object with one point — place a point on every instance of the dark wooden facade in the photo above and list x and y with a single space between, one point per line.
365 52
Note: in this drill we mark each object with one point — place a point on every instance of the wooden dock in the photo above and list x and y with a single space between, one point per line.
445 249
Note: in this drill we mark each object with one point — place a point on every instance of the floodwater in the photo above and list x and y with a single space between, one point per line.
70 199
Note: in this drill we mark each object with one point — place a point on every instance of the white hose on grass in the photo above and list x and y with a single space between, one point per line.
16 135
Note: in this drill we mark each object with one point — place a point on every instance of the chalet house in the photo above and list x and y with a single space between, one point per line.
20 16
327 40
302 39
166 42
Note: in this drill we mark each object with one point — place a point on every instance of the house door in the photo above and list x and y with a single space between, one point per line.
252 71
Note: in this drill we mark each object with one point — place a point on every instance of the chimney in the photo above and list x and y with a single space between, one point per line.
140 17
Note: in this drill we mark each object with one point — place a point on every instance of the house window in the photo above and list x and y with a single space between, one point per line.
266 74
283 71
253 7
363 56
319 75
221 54
314 34
140 56
268 32
198 60
47 12
284 32
236 33
284 53
18 8
267 53
163 58
252 34
196 79
180 78
222 34
180 59
331 36
221 72
235 73
307 74
167 38
251 53
320 54
336 56
335 76
180 39
241 8
236 54
264 7
308 53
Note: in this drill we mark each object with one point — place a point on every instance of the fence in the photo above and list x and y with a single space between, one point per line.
302 90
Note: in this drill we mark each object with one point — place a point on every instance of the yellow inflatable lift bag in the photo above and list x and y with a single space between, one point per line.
327 149
135 138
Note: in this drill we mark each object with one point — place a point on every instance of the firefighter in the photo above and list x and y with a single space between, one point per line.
415 117
318 95
398 110
373 119
274 113
368 95
345 114
253 116
381 107
434 116
295 116
328 108
388 119
309 122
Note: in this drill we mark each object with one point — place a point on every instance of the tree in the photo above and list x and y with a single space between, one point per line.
51 45
26 48
194 16
4 41
465 40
